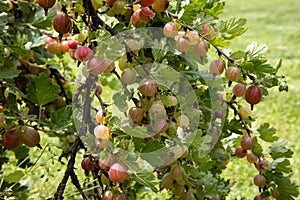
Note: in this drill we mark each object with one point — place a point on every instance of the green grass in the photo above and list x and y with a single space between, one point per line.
275 23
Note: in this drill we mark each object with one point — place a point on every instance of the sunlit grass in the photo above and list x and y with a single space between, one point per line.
275 23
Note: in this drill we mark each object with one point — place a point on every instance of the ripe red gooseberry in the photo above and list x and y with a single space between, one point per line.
239 90
253 94
62 24
240 152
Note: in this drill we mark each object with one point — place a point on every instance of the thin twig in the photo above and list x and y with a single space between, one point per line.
219 50
58 77
236 112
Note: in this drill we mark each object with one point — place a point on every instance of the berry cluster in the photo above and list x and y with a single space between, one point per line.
14 137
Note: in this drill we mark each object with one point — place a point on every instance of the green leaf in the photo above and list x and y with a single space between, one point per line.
219 41
41 91
4 6
191 8
247 66
18 50
165 76
236 55
140 132
216 10
148 180
152 146
62 118
267 133
261 66
120 101
38 41
202 144
155 158
281 165
279 150
257 149
232 27
270 81
14 176
9 73
234 125
278 65
21 152
43 22
253 49
287 189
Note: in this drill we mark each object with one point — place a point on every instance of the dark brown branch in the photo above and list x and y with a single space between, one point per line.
86 120
96 21
90 85
103 105
77 185
62 186
58 77
236 112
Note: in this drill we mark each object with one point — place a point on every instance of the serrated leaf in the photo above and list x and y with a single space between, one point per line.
3 7
202 144
14 176
9 73
219 41
253 49
236 55
166 75
140 132
154 158
247 66
120 101
43 22
38 41
267 133
191 8
257 149
279 150
152 146
148 180
287 189
41 91
216 10
234 125
261 66
19 50
281 165
62 118
270 81
232 27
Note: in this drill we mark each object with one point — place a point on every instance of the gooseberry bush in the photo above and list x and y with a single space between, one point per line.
143 96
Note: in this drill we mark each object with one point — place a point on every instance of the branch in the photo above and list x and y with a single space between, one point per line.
103 105
236 112
86 119
58 78
70 169
96 21
77 184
